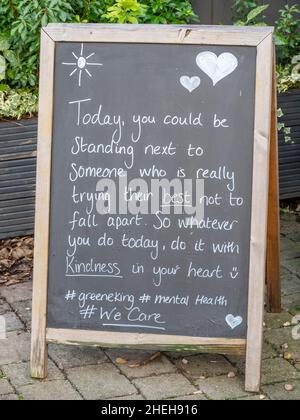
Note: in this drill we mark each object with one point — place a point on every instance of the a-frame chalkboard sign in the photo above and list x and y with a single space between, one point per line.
133 107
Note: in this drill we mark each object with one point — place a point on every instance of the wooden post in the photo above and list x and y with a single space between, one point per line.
273 243
39 353
258 249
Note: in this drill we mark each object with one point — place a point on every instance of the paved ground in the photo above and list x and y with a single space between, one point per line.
91 374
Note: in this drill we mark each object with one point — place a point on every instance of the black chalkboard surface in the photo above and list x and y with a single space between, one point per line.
182 112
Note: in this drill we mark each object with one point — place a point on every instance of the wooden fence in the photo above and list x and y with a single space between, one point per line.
219 11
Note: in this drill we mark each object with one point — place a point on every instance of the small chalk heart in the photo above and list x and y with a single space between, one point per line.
190 83
234 322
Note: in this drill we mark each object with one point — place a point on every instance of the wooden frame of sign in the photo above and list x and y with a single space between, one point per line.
262 39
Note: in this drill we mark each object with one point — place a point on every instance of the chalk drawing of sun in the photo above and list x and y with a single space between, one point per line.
81 64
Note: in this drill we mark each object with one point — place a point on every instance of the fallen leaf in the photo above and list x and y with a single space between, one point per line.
16 260
287 324
231 375
146 361
184 361
121 361
287 356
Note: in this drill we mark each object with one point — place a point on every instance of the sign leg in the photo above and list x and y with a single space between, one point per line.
39 359
39 348
273 246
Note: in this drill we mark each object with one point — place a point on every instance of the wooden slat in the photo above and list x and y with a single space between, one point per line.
11 212
159 34
273 254
28 231
145 341
40 274
259 213
18 155
28 227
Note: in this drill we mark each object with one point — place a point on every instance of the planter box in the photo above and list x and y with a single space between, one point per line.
289 153
18 143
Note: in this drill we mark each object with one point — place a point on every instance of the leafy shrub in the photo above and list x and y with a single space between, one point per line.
248 13
169 11
24 33
288 34
288 77
21 22
16 103
126 11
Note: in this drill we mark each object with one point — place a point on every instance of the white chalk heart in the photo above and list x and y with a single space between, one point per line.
190 83
234 322
217 67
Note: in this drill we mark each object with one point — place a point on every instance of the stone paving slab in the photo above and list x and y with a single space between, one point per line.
289 227
276 321
13 323
75 356
17 292
204 365
282 340
290 282
223 388
5 387
9 397
292 264
278 392
239 362
19 373
157 367
194 397
51 390
128 398
23 310
278 370
4 307
288 247
291 303
100 382
164 386
15 349
254 398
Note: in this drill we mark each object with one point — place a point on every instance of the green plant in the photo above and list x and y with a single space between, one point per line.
16 103
241 8
7 56
248 13
126 11
282 127
24 19
254 15
90 10
287 34
288 77
169 11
